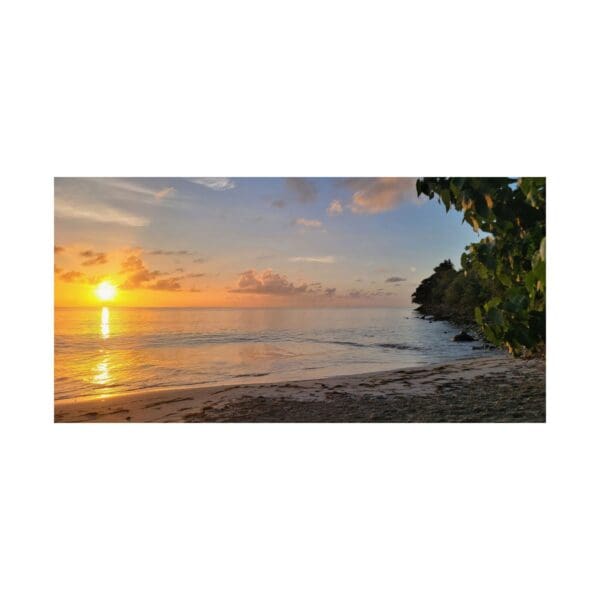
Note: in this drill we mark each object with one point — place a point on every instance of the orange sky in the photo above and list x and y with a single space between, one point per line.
136 277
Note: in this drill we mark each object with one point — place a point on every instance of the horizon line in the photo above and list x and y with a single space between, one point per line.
223 307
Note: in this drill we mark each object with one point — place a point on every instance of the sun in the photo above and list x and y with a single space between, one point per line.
106 291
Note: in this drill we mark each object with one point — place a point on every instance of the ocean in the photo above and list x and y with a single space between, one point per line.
105 351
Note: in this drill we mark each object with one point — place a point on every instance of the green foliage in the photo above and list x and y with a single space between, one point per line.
512 258
452 295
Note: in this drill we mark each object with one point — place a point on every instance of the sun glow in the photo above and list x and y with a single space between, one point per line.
106 291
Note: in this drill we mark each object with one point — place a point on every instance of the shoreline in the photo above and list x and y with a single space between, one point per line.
485 389
197 387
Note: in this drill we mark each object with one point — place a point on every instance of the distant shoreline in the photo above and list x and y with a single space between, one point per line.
486 389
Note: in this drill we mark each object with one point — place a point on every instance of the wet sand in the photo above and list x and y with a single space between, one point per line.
495 389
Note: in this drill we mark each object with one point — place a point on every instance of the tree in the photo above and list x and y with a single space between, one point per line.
431 292
512 258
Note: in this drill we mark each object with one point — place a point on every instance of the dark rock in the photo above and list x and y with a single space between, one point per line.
463 336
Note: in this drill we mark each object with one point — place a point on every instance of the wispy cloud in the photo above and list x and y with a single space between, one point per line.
170 252
98 213
168 285
138 187
394 279
310 223
335 208
360 294
314 259
76 276
58 249
218 184
164 192
71 276
93 258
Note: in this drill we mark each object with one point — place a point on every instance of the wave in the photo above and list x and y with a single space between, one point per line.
387 345
69 342
341 343
398 346
250 375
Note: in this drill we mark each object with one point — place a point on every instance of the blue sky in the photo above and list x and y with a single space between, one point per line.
251 241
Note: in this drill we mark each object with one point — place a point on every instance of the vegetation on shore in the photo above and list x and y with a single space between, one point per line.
502 284
452 295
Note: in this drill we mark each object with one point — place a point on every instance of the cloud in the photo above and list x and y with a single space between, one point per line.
164 192
72 276
171 285
314 259
335 208
138 187
132 263
373 195
58 249
329 291
137 273
302 189
394 279
139 276
199 260
218 184
359 294
194 275
278 203
170 252
310 223
93 258
267 282
76 276
98 213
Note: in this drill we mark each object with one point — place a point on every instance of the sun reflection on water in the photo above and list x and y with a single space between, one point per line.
102 373
105 323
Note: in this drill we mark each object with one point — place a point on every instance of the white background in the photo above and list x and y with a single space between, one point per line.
236 88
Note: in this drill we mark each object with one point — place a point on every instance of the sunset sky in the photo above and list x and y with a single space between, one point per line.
248 242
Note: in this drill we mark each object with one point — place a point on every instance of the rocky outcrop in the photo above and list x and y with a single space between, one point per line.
463 336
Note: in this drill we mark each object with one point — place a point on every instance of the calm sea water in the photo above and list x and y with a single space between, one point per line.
111 350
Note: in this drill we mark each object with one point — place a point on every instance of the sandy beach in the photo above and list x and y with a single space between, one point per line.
494 389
